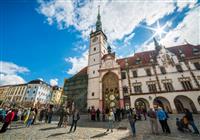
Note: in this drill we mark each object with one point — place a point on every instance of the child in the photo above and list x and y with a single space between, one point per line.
179 125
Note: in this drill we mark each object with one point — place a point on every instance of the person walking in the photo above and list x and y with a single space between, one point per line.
153 121
50 113
144 112
61 114
30 117
162 117
8 119
103 115
98 114
132 119
75 118
88 112
189 116
111 118
66 117
41 114
93 114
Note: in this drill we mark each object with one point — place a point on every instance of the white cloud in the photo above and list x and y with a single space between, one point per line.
9 73
77 62
80 48
119 18
187 30
128 38
41 79
54 82
184 3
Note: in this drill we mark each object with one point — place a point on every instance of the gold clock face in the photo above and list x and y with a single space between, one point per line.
95 39
111 97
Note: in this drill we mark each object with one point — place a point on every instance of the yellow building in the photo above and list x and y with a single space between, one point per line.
16 93
56 95
3 92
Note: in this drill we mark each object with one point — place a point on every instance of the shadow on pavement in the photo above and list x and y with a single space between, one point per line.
49 128
99 135
56 134
127 138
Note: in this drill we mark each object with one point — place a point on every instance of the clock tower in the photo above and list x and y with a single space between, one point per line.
97 49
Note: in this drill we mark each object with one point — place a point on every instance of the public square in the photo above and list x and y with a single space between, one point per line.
100 65
96 130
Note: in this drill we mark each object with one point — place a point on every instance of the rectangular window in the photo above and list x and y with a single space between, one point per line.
135 73
152 86
123 74
125 90
148 71
163 70
179 68
197 65
168 86
186 85
138 88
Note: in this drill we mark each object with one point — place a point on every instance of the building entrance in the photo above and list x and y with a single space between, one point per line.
110 90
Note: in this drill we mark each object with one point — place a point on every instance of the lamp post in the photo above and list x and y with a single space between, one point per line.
182 56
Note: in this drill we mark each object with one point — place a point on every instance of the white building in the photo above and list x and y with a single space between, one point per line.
38 92
168 77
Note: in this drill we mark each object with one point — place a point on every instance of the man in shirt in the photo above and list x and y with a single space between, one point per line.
9 118
75 118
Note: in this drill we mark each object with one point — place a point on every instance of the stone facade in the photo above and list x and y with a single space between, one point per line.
75 90
166 77
56 95
16 93
3 92
38 92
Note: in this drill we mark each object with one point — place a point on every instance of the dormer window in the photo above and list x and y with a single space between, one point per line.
179 68
163 70
138 61
197 65
195 51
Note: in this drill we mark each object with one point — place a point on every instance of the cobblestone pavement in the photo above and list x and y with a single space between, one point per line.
95 130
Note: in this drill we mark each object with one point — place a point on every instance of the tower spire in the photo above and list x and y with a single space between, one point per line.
98 23
157 45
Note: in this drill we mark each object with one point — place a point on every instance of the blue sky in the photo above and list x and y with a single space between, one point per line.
49 39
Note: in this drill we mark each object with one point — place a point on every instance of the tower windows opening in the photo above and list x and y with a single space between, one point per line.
92 93
94 48
163 70
197 65
123 74
93 72
179 68
135 73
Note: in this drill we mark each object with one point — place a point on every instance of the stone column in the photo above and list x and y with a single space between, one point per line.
195 101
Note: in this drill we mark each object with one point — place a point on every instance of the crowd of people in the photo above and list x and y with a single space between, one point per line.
29 116
161 116
97 115
111 115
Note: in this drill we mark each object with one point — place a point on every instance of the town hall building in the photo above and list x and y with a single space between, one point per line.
166 77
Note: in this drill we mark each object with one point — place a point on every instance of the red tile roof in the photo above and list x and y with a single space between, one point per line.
144 57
